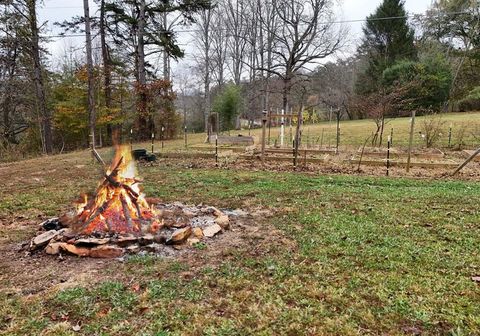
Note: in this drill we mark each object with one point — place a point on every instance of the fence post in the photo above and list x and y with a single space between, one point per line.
388 155
264 131
153 139
410 141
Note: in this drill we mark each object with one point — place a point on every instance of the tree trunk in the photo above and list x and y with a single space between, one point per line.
206 41
44 113
145 121
107 74
166 57
91 79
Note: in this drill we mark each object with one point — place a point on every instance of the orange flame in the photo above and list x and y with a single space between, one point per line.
119 205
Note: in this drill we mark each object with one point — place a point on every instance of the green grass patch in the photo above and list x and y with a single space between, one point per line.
372 256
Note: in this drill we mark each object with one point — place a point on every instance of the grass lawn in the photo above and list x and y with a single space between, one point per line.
341 255
465 130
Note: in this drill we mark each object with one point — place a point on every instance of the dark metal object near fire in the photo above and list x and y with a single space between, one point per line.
142 155
52 224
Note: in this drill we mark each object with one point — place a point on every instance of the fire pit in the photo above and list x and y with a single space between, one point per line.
118 219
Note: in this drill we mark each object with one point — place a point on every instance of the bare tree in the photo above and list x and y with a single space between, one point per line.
334 83
219 41
235 13
380 105
432 125
203 35
304 35
266 12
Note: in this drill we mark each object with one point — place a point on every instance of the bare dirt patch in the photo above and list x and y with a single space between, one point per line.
39 273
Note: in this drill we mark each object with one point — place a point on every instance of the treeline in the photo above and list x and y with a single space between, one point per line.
44 107
428 63
246 56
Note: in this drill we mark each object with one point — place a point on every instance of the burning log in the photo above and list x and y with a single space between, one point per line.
118 205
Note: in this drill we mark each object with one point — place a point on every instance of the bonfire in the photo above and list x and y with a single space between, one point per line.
119 204
117 219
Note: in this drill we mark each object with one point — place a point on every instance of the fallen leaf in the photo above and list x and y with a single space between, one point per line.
476 278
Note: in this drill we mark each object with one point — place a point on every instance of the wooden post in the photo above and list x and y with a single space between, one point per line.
450 136
269 126
162 136
338 132
410 141
294 156
264 129
466 161
391 137
363 151
297 136
185 132
282 129
388 155
216 150
131 139
153 140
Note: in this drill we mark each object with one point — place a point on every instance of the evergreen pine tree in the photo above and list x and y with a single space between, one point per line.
385 42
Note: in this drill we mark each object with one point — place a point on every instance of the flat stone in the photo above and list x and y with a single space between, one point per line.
53 248
160 238
126 240
223 221
133 249
146 239
189 214
180 235
197 232
106 251
217 212
193 241
66 234
154 247
92 241
212 230
43 239
179 224
78 251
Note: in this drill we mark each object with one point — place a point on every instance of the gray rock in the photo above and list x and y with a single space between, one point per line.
212 230
43 239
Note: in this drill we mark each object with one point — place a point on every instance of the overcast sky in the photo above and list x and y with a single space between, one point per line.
59 10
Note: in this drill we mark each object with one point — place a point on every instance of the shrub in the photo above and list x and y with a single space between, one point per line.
471 102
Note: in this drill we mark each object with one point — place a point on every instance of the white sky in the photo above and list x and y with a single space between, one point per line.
59 10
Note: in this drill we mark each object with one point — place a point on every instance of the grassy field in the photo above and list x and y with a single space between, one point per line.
354 132
465 130
341 255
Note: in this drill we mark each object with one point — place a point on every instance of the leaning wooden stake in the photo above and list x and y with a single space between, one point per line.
412 128
363 150
466 161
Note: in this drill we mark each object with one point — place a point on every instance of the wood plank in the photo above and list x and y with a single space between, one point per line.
383 163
